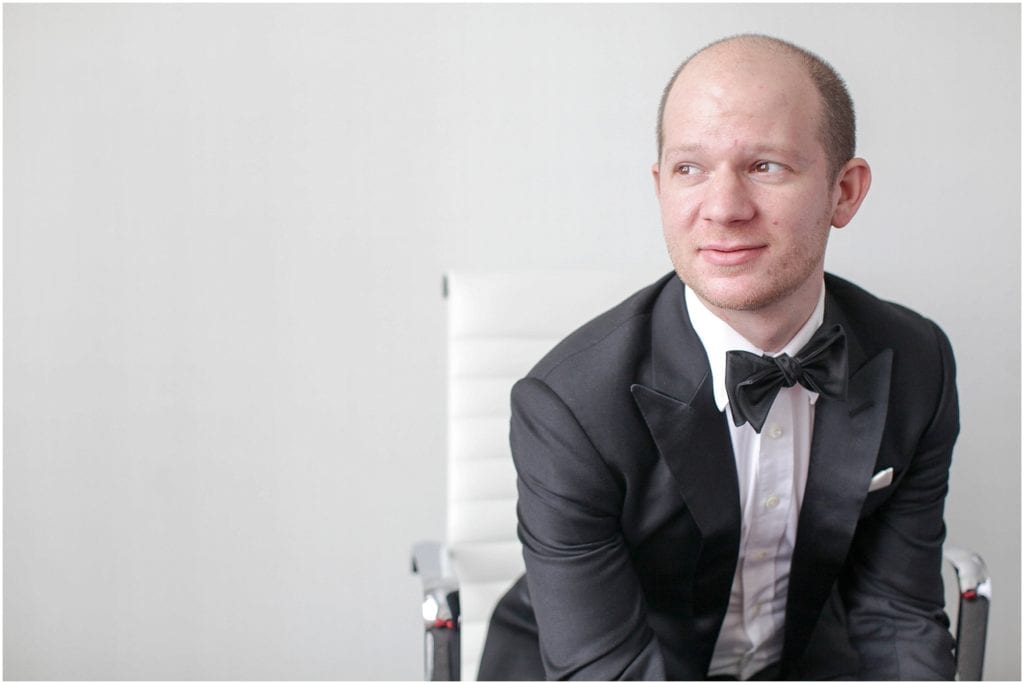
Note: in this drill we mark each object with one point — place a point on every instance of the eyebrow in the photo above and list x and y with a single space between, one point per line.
756 150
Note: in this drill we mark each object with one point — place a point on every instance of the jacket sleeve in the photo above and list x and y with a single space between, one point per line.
589 606
892 584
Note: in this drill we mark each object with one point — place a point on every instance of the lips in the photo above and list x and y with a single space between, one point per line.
731 255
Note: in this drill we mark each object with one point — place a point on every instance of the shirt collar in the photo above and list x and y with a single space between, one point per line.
718 338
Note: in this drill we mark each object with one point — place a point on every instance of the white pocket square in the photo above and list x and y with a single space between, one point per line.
880 480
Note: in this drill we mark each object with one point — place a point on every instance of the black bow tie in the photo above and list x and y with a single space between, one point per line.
753 381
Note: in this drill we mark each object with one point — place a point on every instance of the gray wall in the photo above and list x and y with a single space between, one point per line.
224 234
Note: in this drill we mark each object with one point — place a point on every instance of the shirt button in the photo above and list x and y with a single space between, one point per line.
761 555
771 502
775 431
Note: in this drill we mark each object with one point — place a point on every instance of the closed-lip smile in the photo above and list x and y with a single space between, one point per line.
730 254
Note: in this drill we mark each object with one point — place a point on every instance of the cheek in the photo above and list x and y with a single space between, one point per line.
677 209
802 216
808 233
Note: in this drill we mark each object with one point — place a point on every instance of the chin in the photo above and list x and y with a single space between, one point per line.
743 302
736 296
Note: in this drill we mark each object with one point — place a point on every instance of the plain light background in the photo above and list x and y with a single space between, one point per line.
224 234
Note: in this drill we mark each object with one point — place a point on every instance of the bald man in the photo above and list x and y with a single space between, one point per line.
739 472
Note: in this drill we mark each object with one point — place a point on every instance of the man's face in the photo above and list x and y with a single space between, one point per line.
746 203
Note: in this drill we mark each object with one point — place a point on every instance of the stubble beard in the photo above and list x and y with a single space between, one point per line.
780 281
777 285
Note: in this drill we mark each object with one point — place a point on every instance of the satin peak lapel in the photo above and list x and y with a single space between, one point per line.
694 442
844 448
692 437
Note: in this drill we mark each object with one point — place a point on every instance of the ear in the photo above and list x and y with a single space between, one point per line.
656 173
851 187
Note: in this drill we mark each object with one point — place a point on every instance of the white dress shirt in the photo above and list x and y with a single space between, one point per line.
772 469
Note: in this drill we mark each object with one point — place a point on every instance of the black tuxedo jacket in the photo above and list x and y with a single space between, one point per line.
629 509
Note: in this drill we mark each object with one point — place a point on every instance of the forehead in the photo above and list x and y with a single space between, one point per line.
752 90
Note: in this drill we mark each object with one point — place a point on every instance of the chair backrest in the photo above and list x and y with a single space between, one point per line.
499 325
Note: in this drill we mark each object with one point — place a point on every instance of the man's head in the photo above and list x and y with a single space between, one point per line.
748 184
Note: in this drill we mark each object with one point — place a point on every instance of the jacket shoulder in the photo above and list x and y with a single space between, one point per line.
879 323
615 333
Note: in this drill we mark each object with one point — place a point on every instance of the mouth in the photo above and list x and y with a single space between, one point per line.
730 255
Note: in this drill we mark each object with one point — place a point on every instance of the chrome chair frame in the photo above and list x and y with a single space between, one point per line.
975 590
441 656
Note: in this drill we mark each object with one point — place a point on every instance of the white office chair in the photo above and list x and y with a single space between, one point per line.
499 325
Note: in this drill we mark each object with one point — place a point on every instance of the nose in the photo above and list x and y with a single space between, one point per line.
726 199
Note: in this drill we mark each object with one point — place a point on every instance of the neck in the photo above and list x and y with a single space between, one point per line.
771 327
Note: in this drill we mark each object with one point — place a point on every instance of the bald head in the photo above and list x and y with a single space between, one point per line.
835 127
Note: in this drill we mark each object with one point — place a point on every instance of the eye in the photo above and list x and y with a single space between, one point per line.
687 169
768 167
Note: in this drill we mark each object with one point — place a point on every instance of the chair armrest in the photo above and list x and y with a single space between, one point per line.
975 589
440 607
971 572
